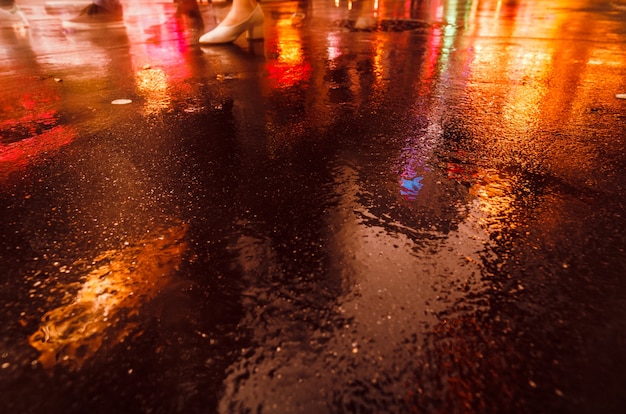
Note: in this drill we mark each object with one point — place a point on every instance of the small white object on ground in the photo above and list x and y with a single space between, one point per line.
121 101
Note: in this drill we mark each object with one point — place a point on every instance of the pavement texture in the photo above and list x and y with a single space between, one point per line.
382 207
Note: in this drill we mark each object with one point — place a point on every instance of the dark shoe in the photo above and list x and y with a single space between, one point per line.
188 7
188 12
96 17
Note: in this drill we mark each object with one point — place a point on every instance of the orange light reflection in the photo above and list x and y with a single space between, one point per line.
152 84
101 313
290 66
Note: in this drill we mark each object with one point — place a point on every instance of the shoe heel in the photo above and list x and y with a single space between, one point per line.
255 32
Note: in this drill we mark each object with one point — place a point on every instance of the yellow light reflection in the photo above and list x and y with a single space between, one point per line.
290 66
100 315
289 45
378 59
494 200
152 85
548 78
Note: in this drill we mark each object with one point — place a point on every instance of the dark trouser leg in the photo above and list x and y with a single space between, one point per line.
114 6
7 4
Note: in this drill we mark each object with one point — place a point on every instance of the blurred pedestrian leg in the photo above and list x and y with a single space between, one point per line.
188 7
101 14
10 14
190 10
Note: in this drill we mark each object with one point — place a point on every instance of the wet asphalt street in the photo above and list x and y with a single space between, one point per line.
384 207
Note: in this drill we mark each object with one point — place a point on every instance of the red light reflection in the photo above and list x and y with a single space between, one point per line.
290 66
32 132
18 155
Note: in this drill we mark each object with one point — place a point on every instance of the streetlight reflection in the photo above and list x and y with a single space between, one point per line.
104 310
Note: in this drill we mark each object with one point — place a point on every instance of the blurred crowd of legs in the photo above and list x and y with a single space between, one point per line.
244 16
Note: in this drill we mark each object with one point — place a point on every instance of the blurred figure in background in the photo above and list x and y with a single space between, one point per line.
11 14
110 14
99 14
189 8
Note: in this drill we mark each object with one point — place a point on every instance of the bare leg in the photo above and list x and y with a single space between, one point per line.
239 11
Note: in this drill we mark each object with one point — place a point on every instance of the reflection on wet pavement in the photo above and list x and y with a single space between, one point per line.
14 157
152 85
389 207
101 313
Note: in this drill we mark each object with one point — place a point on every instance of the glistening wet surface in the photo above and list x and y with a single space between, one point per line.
382 207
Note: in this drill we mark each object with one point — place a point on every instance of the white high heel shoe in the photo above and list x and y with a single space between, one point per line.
227 34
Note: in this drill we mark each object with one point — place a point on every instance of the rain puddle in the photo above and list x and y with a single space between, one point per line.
358 333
